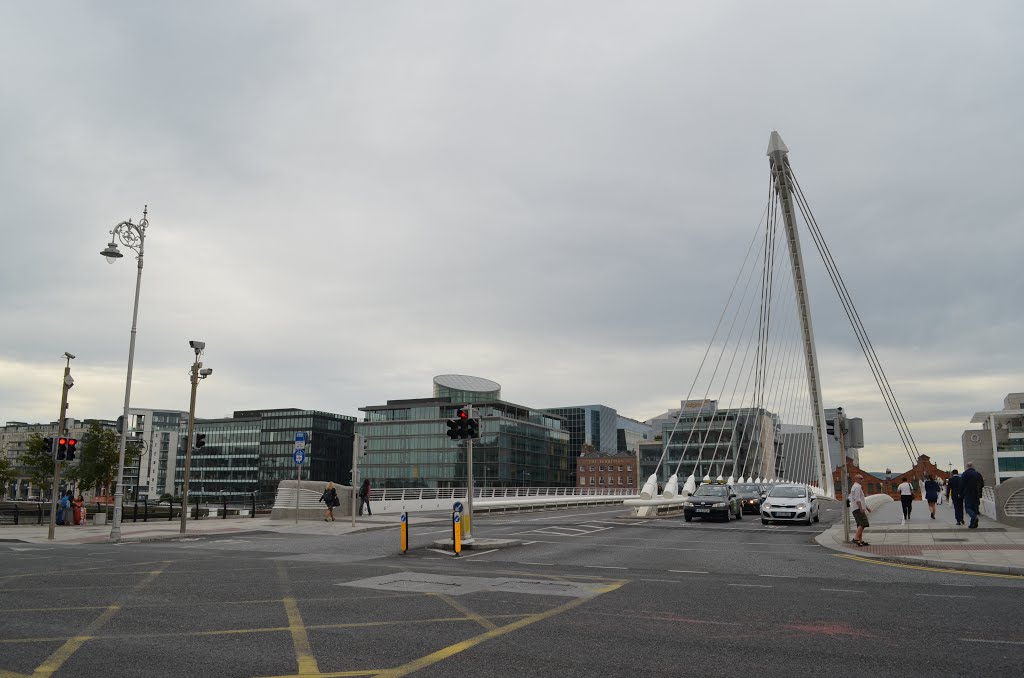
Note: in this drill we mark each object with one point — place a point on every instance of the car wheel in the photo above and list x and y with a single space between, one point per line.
817 518
763 521
687 518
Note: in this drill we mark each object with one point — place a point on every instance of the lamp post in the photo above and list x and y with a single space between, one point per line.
132 236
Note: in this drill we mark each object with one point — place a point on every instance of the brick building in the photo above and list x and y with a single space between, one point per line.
604 471
874 485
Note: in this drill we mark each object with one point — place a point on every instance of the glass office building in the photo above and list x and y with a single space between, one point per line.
253 450
407 443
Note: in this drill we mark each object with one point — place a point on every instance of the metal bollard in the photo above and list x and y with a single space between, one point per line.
253 506
197 508
145 511
225 502
135 512
40 513
170 509
15 513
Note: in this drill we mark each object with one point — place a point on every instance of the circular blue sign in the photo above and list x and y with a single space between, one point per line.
457 507
300 456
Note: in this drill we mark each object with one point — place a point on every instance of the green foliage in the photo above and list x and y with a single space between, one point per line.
98 452
38 462
7 474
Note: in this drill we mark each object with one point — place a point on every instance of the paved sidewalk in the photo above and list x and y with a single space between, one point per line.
158 530
938 542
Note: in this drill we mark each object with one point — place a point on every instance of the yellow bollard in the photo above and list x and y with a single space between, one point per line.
405 532
456 532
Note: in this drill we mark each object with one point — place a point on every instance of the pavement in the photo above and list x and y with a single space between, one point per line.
938 542
165 530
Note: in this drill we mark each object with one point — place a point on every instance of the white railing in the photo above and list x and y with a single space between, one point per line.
398 499
988 502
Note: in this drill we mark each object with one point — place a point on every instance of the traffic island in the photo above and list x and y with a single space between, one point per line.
478 544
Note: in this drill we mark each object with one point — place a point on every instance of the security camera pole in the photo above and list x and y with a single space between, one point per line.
67 384
197 373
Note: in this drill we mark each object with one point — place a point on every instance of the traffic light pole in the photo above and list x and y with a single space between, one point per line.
469 485
845 478
60 433
188 445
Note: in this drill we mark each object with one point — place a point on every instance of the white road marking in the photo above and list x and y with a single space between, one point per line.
844 590
670 581
447 553
940 595
481 553
544 564
690 571
986 640
779 576
606 567
753 586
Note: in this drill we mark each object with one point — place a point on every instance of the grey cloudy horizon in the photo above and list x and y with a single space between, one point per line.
326 179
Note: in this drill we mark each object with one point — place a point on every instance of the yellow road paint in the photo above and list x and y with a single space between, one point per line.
303 651
53 663
927 568
486 623
452 650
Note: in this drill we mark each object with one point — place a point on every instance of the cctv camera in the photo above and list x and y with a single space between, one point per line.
206 372
197 345
69 356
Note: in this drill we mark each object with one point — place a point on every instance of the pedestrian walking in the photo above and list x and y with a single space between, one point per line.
931 493
906 491
64 509
330 500
954 490
364 498
79 510
860 511
971 484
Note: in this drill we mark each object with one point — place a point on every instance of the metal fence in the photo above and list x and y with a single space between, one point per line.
138 511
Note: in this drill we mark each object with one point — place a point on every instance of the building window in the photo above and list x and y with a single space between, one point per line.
620 468
629 468
591 469
601 479
620 480
600 468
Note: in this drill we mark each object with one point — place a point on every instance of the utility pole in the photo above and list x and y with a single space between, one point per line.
66 384
469 485
188 442
357 451
840 425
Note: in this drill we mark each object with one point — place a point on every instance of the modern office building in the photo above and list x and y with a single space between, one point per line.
407 443
630 433
997 448
253 450
156 434
701 439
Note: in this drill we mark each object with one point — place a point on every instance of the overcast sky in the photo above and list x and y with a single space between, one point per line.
327 180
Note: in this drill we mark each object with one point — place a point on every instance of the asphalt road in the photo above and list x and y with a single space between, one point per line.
590 592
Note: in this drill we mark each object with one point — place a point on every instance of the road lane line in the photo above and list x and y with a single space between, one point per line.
482 553
690 571
753 586
941 595
486 623
844 590
780 576
670 581
607 567
986 640
544 564
300 640
927 568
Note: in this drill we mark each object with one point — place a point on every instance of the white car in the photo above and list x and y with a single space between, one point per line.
790 503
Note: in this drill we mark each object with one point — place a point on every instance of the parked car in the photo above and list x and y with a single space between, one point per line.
789 503
750 496
713 501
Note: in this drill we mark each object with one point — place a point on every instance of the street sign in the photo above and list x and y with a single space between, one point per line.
300 441
457 507
300 456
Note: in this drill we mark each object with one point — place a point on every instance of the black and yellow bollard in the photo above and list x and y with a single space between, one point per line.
405 532
456 532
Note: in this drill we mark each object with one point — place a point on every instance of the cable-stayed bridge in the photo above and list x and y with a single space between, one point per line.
754 411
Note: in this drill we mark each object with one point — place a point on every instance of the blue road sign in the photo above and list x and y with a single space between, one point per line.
403 517
458 517
300 440
300 456
457 507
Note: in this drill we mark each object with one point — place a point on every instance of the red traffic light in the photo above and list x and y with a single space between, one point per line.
463 414
72 442
62 442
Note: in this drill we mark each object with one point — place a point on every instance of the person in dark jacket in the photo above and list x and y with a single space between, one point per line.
931 493
364 498
955 494
971 484
330 500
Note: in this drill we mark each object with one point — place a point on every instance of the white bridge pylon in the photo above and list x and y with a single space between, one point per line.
758 411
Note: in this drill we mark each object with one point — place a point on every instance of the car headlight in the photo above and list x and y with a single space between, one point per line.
766 505
801 507
688 504
720 504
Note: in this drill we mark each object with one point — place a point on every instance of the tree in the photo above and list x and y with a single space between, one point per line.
7 474
38 461
98 453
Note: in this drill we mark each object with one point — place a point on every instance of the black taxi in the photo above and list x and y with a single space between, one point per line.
713 501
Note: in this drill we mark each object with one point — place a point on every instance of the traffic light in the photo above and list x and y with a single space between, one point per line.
62 448
50 449
462 427
830 427
70 454
473 428
454 429
200 440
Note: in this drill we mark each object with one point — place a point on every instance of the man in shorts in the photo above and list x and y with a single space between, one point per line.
860 510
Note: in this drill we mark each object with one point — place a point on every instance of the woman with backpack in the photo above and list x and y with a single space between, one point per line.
330 500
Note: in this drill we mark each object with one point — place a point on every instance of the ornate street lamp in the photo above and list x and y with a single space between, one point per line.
132 236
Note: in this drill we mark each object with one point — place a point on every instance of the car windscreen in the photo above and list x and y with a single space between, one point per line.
748 490
710 491
788 492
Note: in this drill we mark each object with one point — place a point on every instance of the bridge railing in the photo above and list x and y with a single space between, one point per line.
988 502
